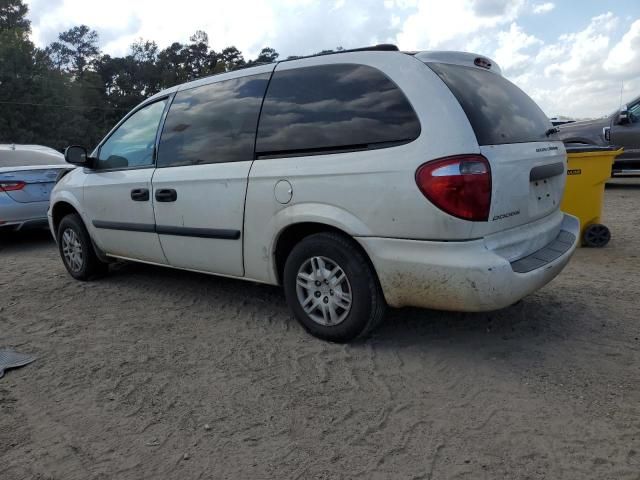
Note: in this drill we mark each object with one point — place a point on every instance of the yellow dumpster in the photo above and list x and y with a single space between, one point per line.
588 169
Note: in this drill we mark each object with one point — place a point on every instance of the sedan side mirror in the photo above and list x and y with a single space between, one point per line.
623 116
77 155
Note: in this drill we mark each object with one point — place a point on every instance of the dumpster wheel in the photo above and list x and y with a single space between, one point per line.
596 235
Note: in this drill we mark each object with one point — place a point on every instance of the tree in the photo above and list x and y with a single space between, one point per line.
231 58
144 51
171 65
126 81
60 55
13 15
267 55
20 74
199 60
71 93
76 50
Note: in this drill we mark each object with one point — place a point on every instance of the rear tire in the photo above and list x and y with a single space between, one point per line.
76 249
332 289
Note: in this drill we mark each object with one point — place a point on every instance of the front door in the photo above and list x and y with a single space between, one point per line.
628 135
117 192
205 153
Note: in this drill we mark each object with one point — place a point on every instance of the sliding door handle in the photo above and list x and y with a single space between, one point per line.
140 194
166 195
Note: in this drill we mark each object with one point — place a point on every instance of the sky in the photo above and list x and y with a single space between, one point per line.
578 58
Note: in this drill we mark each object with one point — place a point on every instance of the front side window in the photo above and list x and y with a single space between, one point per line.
132 144
332 108
213 123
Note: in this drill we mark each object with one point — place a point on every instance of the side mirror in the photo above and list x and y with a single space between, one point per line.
77 155
623 116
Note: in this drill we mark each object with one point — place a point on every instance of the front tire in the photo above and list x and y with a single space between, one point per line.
76 249
332 289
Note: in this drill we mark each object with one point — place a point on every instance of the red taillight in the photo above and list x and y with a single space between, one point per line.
11 186
460 185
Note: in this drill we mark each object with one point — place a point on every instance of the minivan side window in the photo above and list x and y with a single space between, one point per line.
213 123
332 108
132 144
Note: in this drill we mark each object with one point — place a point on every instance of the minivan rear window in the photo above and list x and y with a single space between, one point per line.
333 108
498 111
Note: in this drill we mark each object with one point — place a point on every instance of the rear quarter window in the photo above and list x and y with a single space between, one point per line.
499 112
329 108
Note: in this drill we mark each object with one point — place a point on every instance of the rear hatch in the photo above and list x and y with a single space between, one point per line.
29 184
528 163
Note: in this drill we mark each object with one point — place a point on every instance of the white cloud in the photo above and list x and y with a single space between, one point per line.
293 27
540 8
453 23
581 73
582 52
514 49
624 57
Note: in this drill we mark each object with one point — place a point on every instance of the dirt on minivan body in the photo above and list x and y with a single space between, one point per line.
157 373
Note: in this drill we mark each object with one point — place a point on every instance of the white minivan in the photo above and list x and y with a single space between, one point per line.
356 180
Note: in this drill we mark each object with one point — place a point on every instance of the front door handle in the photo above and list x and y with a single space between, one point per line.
140 194
166 195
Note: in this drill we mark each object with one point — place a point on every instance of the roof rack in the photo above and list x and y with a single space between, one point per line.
381 47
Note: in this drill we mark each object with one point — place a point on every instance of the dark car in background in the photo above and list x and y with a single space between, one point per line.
621 129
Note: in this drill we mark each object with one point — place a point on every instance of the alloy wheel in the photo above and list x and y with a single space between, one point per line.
72 250
324 291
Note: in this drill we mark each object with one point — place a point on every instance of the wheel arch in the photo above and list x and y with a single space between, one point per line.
60 210
294 233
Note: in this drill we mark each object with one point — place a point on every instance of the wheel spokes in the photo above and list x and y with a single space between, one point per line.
343 299
72 249
305 280
336 277
309 305
323 291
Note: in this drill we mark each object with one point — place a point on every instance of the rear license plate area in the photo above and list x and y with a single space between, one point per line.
543 196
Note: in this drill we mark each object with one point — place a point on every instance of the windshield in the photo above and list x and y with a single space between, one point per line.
498 111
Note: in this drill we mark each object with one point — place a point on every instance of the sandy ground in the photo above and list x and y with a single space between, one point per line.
154 373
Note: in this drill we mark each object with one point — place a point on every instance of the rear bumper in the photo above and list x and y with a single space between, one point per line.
35 223
17 216
469 276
